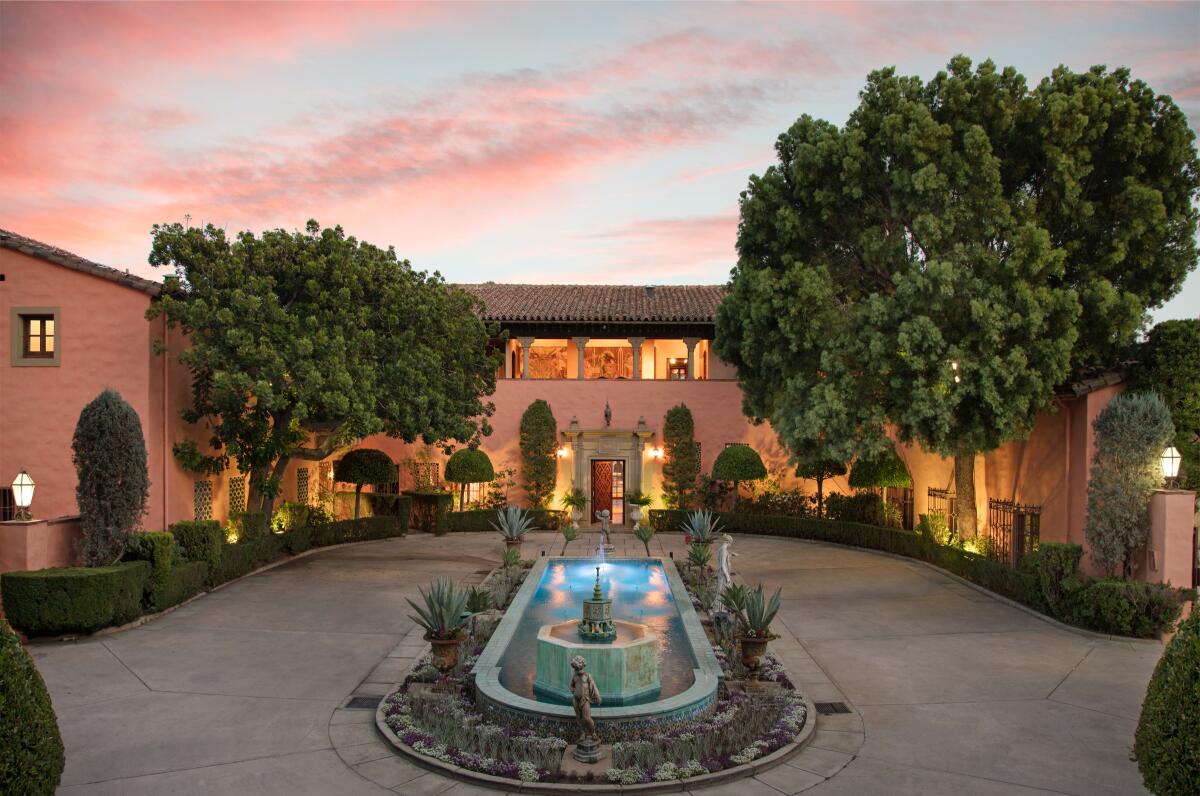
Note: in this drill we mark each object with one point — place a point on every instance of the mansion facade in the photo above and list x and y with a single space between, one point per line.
609 360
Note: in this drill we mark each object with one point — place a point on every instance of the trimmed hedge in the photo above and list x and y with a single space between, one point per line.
1119 607
31 748
242 557
51 602
481 520
361 530
373 504
159 549
1167 742
429 510
200 540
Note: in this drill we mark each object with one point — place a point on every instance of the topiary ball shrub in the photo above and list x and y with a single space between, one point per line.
31 748
738 463
363 466
1167 742
885 469
469 466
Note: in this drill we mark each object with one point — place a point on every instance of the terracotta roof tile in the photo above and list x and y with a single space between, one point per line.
53 254
610 303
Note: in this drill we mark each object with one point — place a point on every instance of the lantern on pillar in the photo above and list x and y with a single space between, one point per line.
22 487
1170 463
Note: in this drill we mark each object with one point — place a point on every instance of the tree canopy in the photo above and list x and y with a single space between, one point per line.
816 465
303 342
363 466
1169 364
738 463
941 262
883 469
109 452
539 449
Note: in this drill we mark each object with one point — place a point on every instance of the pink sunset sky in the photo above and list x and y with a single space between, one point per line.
514 142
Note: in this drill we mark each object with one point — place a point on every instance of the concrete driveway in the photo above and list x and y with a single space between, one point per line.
949 690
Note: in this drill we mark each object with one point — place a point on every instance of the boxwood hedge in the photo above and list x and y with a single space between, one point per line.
31 749
482 519
1167 741
74 599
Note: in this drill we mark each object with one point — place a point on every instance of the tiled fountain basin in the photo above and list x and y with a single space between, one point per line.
687 643
625 670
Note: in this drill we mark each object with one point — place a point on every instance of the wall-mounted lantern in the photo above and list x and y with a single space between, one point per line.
1170 464
654 453
22 487
564 452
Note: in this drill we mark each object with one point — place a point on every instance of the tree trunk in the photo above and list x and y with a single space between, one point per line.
462 495
357 498
964 492
820 496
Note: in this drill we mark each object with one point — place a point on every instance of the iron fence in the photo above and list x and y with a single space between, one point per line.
944 502
1013 530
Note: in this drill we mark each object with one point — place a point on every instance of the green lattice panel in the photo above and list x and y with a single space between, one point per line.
202 500
237 495
302 485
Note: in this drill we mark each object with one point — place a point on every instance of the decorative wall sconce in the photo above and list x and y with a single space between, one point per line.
564 452
654 453
22 487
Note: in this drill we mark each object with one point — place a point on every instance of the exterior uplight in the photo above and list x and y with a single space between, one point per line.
1170 463
22 487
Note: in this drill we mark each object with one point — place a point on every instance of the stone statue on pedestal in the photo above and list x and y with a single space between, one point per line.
724 570
584 694
603 517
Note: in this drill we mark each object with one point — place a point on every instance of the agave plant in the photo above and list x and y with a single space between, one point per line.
478 600
699 556
759 612
441 615
701 526
734 600
511 558
512 523
644 533
570 533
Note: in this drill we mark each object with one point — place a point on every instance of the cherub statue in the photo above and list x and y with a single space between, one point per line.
584 694
603 516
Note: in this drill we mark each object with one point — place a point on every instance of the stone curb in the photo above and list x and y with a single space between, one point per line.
1079 631
144 618
565 788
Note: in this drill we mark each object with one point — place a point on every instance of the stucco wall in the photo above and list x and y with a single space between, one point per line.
104 341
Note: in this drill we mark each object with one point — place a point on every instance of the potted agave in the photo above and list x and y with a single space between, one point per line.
576 502
637 500
700 527
442 617
754 619
512 523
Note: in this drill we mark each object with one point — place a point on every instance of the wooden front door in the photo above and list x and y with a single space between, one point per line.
608 489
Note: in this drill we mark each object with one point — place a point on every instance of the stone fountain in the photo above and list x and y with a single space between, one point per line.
621 656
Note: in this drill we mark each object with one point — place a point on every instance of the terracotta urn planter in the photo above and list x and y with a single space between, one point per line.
513 544
445 652
753 649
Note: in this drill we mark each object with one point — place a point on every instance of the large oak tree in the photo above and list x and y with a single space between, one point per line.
946 258
304 342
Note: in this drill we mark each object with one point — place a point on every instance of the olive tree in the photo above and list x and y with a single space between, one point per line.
1131 433
468 466
109 452
941 262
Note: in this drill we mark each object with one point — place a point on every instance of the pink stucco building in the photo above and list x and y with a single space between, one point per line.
610 361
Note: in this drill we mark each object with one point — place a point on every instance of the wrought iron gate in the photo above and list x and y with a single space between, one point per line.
1014 529
942 501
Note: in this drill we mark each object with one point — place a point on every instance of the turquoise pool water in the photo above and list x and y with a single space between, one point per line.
640 593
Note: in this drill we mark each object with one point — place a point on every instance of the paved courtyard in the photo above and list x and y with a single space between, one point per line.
242 690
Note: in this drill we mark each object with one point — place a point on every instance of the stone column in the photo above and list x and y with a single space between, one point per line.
636 342
1168 556
691 343
526 344
508 363
580 344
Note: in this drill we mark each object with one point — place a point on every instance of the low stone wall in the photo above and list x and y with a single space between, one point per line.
39 544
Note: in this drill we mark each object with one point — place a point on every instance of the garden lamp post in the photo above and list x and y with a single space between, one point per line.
22 487
1170 464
